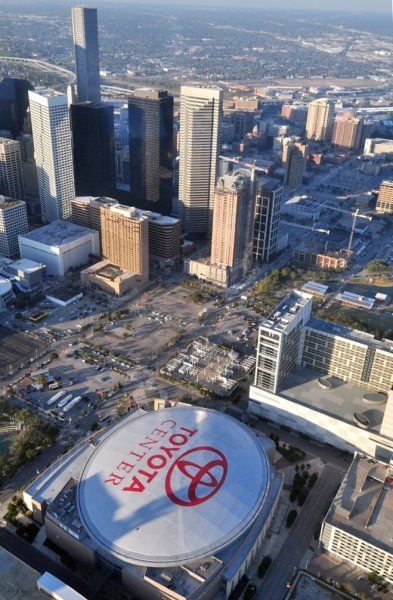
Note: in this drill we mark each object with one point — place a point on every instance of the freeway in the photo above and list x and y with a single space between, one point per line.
283 568
40 64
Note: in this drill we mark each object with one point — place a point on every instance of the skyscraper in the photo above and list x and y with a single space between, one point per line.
385 198
53 153
11 170
87 62
320 116
125 238
268 198
14 102
150 115
295 165
13 221
279 341
94 148
232 234
347 131
200 133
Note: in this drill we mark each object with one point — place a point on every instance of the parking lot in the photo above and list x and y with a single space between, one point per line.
140 338
336 571
17 349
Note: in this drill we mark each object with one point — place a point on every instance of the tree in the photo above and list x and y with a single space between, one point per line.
302 496
378 266
293 495
375 578
41 379
263 567
291 518
312 480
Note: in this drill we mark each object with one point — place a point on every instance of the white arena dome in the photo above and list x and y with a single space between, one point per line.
173 486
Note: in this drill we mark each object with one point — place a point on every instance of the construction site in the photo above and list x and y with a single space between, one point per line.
207 366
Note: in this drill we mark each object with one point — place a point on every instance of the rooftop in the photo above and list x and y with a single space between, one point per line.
311 287
233 181
131 212
46 92
6 141
268 183
356 299
6 203
318 247
26 265
17 580
352 334
341 401
363 505
160 219
283 315
306 202
150 94
308 587
57 233
100 200
168 522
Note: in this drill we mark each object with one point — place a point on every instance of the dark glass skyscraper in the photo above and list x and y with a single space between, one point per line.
150 115
14 101
94 148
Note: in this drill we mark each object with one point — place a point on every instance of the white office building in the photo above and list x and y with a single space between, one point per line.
378 146
200 141
87 63
60 246
320 120
13 221
11 170
324 380
50 123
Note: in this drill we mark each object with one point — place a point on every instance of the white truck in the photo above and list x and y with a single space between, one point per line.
56 397
71 404
65 400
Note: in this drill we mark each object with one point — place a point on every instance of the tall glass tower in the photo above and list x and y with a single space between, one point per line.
87 62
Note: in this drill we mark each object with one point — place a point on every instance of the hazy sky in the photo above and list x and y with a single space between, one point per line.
332 5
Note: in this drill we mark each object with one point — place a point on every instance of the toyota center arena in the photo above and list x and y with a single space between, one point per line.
177 502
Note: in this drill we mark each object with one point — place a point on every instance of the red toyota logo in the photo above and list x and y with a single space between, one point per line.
196 476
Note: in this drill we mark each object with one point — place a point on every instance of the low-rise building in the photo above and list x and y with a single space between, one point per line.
27 274
375 146
60 246
317 290
358 526
308 258
355 300
6 293
204 270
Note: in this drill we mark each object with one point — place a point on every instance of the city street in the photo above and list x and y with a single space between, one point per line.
274 585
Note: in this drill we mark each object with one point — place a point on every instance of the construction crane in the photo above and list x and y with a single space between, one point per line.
244 165
355 216
291 224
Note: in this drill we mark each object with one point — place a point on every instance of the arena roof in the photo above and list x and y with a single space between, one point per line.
173 486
